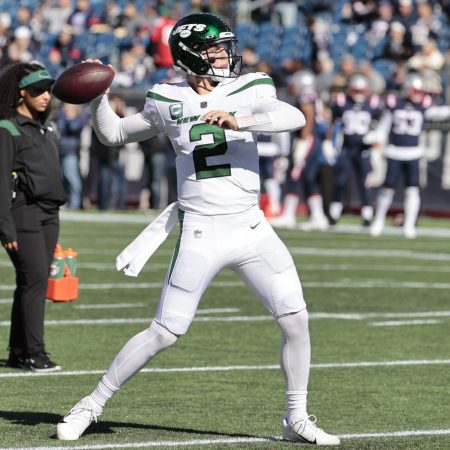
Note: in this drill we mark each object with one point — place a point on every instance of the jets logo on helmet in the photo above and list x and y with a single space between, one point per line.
185 30
189 42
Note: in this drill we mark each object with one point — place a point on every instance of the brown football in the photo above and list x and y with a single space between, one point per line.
83 82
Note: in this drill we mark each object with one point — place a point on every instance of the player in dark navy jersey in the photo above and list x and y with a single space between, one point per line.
402 123
358 112
306 157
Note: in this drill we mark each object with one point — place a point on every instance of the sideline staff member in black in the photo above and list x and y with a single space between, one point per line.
30 195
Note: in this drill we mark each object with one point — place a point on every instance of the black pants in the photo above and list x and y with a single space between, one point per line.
37 235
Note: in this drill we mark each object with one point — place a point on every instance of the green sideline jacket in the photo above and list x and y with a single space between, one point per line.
29 149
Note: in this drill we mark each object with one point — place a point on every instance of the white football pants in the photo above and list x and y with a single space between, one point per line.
245 243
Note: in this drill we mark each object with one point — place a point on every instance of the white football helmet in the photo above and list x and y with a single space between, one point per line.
358 88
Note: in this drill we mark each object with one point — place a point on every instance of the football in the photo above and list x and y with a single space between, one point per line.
83 82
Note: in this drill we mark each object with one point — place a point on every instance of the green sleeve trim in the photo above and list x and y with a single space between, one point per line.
8 125
161 98
253 83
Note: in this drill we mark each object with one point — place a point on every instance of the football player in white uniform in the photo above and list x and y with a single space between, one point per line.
210 118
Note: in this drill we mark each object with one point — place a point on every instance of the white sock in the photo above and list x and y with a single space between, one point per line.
103 392
295 362
135 354
290 205
383 203
273 191
315 204
412 206
336 210
367 213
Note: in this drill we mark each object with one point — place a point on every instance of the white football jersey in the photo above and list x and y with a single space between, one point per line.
217 170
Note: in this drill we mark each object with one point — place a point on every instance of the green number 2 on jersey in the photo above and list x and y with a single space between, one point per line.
201 152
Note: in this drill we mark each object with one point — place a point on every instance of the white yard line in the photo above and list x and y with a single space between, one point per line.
344 284
312 251
229 441
108 305
372 253
352 365
258 318
397 323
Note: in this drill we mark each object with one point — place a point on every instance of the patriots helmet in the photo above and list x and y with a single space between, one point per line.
302 82
414 87
358 88
190 39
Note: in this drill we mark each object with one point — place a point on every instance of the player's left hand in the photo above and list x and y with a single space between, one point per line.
221 119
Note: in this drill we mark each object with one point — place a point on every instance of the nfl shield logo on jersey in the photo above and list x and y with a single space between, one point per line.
176 111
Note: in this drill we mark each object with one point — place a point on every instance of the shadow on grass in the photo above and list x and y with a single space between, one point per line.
37 418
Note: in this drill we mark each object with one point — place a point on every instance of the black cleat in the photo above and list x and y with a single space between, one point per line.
40 362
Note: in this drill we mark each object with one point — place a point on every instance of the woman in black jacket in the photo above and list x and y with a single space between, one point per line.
31 193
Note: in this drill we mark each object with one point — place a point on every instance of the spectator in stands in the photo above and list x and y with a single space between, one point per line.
111 14
135 67
70 121
406 13
145 65
55 15
159 39
376 81
428 25
379 28
5 24
250 59
19 50
222 8
81 17
429 57
347 67
21 18
131 19
287 68
398 47
69 54
287 11
360 11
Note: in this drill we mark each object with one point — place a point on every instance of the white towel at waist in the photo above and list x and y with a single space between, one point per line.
133 258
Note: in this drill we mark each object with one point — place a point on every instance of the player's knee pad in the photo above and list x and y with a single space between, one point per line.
287 293
189 270
164 337
175 322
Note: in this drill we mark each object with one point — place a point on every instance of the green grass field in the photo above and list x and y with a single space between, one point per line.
380 330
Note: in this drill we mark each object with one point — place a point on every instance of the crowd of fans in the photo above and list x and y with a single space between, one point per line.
286 34
381 39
